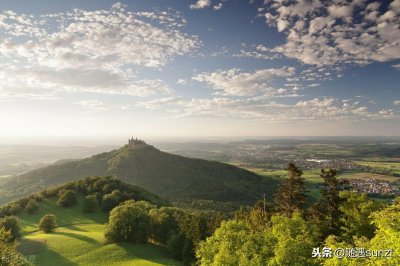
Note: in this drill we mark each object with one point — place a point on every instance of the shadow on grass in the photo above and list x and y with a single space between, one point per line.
150 252
31 246
51 258
77 228
77 236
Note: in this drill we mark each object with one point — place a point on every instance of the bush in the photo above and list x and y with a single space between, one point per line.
32 206
67 198
8 250
11 224
129 222
14 209
108 188
164 223
109 201
90 203
175 246
48 223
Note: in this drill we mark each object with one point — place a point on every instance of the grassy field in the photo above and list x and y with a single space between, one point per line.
79 241
368 175
65 216
311 176
84 245
392 166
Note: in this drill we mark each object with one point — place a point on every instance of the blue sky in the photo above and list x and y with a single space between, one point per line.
199 68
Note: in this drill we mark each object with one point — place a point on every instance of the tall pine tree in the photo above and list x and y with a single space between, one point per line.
330 201
326 213
290 196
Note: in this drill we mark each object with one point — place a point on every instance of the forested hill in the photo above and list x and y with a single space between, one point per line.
170 176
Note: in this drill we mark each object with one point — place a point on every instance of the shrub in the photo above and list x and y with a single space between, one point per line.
175 246
164 223
14 209
108 188
90 203
109 201
48 223
32 206
11 223
67 198
129 222
8 250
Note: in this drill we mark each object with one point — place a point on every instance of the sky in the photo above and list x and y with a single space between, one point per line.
174 68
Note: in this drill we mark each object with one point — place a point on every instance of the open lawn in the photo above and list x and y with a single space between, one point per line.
311 176
79 240
65 216
84 245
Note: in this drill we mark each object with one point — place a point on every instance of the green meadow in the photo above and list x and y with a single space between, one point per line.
392 166
78 240
311 176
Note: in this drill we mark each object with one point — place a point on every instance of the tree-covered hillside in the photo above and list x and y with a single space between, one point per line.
171 176
100 220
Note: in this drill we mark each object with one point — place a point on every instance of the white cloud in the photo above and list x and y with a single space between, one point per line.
77 80
313 85
397 66
218 6
259 108
396 102
181 82
93 51
200 4
234 82
340 11
106 37
317 102
386 112
160 102
97 105
256 55
330 34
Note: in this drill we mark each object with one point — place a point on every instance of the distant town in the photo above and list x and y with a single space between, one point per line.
374 187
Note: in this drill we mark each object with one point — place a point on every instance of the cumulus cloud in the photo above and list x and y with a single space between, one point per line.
258 52
234 82
396 102
181 82
38 80
259 108
218 6
386 112
95 51
329 33
200 4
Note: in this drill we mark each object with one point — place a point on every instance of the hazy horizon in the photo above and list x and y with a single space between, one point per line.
122 140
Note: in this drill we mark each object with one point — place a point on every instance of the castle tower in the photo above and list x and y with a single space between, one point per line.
136 143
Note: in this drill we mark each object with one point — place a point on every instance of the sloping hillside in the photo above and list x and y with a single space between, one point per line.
171 176
79 236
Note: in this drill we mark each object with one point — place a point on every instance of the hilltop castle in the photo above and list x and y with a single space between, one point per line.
136 143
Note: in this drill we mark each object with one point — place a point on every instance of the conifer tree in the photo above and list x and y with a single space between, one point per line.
330 201
290 196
